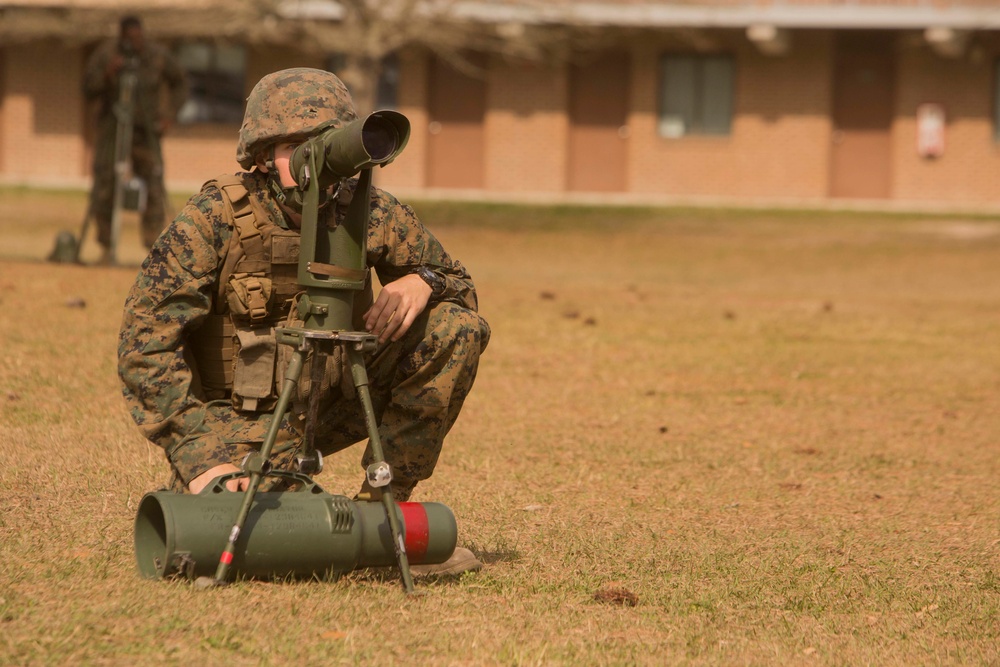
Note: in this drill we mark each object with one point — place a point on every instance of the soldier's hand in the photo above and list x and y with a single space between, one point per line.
205 478
397 306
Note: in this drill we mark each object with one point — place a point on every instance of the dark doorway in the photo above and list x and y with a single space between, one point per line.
456 137
598 131
864 83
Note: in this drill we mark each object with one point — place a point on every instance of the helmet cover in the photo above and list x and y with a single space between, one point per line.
292 103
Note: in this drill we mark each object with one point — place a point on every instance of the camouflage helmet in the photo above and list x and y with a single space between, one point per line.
66 250
292 103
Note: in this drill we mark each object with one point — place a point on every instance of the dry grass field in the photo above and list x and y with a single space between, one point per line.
778 431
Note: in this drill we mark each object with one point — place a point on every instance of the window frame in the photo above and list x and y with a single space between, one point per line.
214 98
389 76
700 125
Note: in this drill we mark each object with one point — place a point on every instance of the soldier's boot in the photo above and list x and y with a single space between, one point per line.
105 259
402 489
461 561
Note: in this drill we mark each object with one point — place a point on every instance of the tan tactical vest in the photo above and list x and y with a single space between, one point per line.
235 352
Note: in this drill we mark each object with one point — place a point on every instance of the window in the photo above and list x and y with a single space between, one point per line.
216 74
386 90
387 95
696 95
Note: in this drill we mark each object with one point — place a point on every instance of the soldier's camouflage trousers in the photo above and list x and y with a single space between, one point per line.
146 164
418 386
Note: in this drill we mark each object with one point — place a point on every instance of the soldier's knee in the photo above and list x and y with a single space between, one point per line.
484 333
462 326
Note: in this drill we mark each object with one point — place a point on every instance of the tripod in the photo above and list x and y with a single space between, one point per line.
124 112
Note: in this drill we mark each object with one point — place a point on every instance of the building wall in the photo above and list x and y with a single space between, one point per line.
3 105
779 145
197 153
43 114
969 170
409 170
194 154
526 127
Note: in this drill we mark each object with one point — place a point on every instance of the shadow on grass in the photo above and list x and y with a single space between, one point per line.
389 574
499 555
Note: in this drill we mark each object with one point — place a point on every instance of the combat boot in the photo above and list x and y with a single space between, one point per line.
402 489
461 561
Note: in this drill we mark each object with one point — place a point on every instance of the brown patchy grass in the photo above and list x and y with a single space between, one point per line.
775 433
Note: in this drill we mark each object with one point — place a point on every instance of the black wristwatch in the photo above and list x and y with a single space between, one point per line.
432 278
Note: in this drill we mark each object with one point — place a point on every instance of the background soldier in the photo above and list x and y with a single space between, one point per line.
155 67
198 357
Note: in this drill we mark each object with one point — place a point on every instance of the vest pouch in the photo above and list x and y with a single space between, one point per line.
249 296
284 266
253 376
211 349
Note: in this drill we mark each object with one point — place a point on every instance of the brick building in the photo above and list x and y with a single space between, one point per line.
808 101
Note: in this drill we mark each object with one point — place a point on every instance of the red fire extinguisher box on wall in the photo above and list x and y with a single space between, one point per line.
930 130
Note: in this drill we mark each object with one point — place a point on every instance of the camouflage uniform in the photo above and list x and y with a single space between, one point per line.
156 66
418 384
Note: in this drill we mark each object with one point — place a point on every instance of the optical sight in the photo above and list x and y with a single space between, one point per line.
341 152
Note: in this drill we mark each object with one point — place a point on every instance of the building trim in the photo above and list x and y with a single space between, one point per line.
842 16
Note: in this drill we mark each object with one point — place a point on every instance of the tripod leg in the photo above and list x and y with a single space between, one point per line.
361 384
310 461
83 232
258 465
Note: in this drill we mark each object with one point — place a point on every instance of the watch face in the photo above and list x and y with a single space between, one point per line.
431 278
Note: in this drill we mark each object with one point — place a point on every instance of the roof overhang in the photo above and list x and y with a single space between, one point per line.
946 25
780 13
736 14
